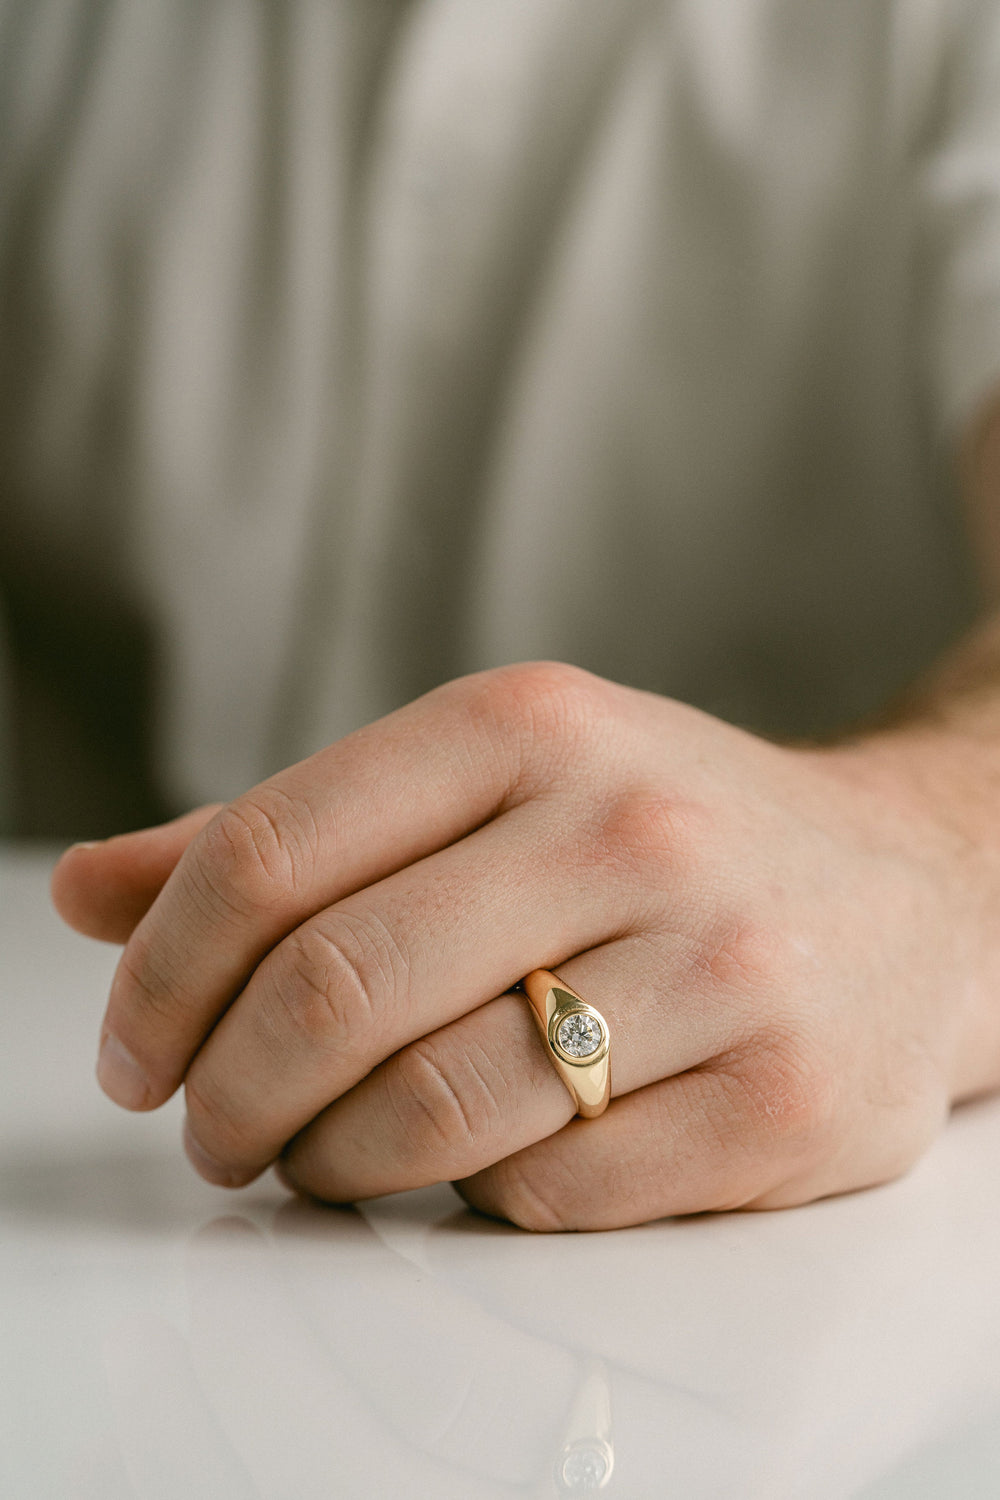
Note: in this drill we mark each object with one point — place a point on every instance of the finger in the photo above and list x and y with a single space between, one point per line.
718 1137
378 971
105 889
484 1087
369 805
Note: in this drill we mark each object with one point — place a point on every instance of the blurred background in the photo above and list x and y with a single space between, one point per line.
349 345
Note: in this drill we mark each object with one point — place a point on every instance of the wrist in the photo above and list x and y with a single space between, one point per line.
942 782
930 792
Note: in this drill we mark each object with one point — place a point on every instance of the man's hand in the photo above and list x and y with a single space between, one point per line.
793 948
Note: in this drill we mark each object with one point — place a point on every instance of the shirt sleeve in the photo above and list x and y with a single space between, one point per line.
958 209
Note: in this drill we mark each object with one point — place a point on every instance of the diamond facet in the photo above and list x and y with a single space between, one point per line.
579 1035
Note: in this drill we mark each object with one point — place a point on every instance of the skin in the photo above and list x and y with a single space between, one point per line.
794 947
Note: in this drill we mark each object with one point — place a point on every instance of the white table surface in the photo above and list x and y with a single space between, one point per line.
163 1338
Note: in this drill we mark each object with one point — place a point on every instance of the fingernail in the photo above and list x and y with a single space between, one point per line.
87 844
119 1075
208 1167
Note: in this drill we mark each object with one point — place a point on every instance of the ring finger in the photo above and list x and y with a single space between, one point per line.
476 1091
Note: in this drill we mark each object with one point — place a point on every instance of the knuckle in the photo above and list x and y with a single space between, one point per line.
427 1107
529 1198
145 978
537 710
554 700
256 852
646 832
739 953
784 1095
215 1121
338 981
443 1103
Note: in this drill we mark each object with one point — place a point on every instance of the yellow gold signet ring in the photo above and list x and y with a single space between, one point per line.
576 1038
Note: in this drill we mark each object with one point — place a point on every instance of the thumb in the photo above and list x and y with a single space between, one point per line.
105 889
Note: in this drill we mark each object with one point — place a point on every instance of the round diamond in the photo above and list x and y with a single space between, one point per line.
579 1035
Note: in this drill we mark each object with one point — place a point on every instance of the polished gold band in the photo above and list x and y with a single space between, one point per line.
576 1037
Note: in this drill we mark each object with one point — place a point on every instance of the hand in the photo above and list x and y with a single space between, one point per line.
785 943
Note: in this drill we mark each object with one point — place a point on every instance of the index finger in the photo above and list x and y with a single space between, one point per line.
105 889
369 805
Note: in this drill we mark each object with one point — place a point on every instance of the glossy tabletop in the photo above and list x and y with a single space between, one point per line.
163 1338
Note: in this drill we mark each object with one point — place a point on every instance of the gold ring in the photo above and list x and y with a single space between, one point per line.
576 1037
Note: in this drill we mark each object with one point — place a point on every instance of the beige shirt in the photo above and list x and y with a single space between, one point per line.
357 344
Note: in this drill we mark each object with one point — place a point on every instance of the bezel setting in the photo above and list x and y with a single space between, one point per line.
569 1005
587 1078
